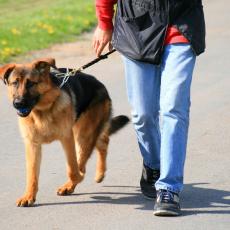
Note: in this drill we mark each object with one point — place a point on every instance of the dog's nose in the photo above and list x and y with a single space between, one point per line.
19 103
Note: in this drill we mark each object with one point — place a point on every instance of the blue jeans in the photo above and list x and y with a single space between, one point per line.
160 101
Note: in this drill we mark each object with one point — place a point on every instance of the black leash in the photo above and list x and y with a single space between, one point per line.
102 57
73 72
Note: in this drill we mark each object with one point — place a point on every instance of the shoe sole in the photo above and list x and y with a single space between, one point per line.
166 213
148 197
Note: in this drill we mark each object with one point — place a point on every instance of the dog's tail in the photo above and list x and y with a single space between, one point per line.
117 123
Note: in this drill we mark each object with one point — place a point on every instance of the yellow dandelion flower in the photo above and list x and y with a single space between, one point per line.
15 31
45 26
69 18
33 31
39 24
50 30
18 50
86 22
4 42
7 50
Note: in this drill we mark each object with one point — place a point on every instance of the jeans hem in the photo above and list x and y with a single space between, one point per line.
151 166
177 191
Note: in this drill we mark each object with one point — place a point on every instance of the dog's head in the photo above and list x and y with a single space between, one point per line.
27 83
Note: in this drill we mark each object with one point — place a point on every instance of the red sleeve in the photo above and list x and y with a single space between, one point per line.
105 11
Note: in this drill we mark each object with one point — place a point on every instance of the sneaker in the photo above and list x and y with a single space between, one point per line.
147 183
167 204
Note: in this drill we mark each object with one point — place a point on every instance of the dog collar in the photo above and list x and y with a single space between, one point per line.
64 76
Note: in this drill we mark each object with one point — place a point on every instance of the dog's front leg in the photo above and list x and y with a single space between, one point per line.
33 161
72 167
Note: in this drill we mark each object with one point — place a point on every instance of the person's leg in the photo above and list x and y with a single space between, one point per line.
176 76
143 89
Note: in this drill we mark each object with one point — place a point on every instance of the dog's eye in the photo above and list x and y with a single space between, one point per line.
15 83
30 84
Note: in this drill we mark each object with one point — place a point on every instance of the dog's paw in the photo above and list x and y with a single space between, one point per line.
66 189
25 201
99 177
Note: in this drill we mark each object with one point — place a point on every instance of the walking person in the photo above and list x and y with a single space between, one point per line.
159 41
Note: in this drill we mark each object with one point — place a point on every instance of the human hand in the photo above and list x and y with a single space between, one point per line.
101 39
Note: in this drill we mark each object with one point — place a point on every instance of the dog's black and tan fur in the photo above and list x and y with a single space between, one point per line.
78 115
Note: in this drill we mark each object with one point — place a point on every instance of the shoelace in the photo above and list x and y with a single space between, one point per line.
166 196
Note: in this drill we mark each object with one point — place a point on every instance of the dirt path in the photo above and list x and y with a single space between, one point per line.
71 54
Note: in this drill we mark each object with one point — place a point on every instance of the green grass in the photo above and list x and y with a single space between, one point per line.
27 25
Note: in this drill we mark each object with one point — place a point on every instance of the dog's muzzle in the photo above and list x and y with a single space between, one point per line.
24 106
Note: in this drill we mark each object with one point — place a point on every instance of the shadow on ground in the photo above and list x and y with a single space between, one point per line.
195 199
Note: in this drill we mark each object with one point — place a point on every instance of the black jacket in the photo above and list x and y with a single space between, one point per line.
141 25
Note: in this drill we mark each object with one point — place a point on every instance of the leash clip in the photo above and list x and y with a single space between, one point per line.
66 75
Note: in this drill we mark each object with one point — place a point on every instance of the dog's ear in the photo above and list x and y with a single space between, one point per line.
43 65
5 72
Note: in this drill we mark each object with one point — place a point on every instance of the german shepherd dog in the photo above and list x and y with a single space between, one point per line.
77 114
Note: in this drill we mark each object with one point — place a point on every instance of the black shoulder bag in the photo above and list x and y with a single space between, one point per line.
140 28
